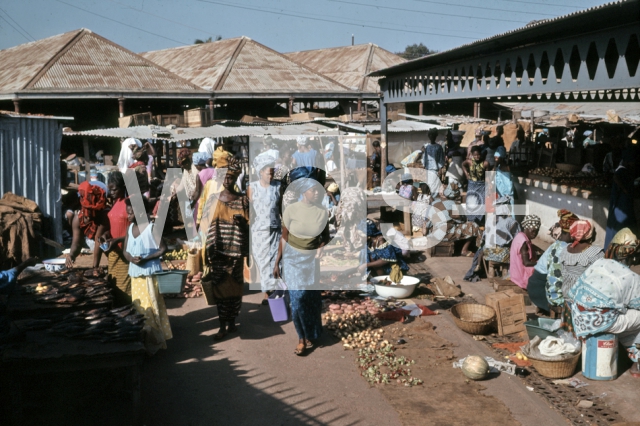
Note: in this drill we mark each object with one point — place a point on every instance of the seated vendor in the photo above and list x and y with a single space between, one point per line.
548 266
522 257
497 245
458 228
606 297
406 189
381 256
8 280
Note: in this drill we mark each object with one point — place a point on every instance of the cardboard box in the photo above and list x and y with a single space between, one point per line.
197 117
443 249
503 285
306 116
510 311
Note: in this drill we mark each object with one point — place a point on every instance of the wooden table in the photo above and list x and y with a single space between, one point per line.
42 353
23 305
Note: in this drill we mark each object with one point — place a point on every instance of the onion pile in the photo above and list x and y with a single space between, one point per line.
356 330
353 306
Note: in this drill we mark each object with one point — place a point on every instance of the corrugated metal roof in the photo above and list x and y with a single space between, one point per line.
242 65
628 112
607 15
349 65
30 164
190 133
81 61
399 126
41 116
447 120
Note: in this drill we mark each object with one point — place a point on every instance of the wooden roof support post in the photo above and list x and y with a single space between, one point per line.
420 108
16 105
291 106
87 160
121 107
383 140
211 107
359 104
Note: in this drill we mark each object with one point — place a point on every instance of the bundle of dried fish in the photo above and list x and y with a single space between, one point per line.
121 324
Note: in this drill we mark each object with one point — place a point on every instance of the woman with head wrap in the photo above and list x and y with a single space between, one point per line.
140 167
381 256
189 182
542 284
420 209
305 232
606 299
90 222
504 184
621 204
574 260
406 189
522 257
207 147
118 225
126 159
474 169
227 243
264 195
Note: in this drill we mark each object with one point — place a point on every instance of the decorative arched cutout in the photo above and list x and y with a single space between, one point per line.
611 57
558 65
519 71
544 67
592 60
507 73
531 69
632 55
574 63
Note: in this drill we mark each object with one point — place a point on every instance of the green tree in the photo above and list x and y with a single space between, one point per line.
207 40
415 51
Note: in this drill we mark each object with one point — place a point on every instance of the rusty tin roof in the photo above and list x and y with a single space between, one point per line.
349 65
243 66
83 62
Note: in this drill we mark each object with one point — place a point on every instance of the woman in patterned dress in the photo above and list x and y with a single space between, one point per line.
227 243
264 196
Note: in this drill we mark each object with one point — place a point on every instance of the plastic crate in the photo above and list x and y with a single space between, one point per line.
171 282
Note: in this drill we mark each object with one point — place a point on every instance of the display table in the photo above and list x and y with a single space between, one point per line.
42 352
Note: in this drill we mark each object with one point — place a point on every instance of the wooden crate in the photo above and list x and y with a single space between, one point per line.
503 285
167 119
510 311
444 249
197 117
306 116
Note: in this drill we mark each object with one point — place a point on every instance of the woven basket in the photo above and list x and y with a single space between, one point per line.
474 318
556 369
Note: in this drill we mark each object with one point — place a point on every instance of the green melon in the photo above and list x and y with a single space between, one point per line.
475 367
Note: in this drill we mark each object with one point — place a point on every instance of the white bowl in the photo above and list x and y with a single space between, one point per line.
400 290
55 265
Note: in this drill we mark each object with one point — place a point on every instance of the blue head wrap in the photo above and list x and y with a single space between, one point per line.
500 152
390 169
372 229
200 158
303 172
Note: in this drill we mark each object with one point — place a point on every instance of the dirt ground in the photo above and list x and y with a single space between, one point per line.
447 397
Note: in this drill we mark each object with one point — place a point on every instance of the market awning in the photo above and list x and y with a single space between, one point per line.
594 112
216 131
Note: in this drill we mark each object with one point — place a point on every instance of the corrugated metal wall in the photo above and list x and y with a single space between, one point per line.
30 165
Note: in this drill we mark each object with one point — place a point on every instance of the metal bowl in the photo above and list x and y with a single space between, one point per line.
55 265
400 290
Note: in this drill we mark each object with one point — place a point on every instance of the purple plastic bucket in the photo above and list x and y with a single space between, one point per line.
279 309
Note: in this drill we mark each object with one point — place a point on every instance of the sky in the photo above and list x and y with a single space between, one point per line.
283 25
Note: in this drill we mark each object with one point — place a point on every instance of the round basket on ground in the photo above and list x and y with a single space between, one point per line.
474 318
556 369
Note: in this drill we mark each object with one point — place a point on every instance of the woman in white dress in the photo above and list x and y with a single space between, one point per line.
265 224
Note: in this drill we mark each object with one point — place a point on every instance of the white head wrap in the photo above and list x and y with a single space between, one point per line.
126 154
588 133
207 145
301 140
263 160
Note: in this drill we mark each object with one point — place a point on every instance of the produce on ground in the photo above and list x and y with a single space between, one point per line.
382 365
475 367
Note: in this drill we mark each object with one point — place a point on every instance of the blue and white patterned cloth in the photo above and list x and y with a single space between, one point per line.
606 290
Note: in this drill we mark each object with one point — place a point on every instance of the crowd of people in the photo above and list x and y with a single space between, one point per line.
280 212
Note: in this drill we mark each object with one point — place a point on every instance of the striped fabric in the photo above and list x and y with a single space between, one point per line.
574 264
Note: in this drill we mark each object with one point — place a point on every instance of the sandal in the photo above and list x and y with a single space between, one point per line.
219 335
309 344
635 370
231 329
265 302
468 254
300 349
